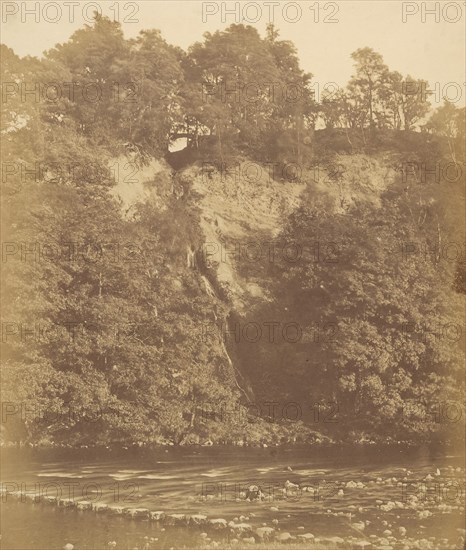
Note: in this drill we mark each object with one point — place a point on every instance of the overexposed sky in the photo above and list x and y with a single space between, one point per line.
429 43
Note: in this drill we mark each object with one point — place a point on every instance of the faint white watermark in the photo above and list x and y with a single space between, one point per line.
271 12
427 12
68 12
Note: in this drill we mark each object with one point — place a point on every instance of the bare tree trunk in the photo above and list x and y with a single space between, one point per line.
349 141
452 150
439 240
220 144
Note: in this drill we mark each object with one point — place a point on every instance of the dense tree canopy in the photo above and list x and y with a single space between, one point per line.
102 312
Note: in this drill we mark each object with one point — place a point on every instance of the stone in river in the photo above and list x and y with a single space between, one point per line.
250 540
84 505
218 523
176 519
66 502
117 510
240 527
290 485
336 540
68 546
198 519
100 507
306 536
138 513
157 516
264 532
254 493
284 537
33 497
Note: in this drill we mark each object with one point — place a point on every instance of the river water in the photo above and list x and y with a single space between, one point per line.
343 497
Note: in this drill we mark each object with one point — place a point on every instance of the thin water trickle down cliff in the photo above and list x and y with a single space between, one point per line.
244 215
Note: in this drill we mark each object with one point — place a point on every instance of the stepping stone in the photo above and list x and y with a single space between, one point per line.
137 513
198 519
362 544
100 507
265 532
219 523
67 502
336 540
306 536
116 510
33 497
241 527
84 505
176 519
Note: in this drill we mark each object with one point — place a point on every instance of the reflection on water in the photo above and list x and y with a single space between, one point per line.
373 495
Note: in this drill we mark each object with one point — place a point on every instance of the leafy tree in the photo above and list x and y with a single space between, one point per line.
414 101
102 311
249 93
449 121
150 84
384 306
231 74
124 90
391 94
294 107
369 80
92 56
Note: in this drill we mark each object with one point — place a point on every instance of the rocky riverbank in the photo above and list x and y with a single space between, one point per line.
243 530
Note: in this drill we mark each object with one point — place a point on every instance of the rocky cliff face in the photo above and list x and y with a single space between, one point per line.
241 211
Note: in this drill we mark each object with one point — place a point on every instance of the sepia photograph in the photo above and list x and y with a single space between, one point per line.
233 275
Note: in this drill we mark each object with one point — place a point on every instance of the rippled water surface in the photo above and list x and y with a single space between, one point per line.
381 496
